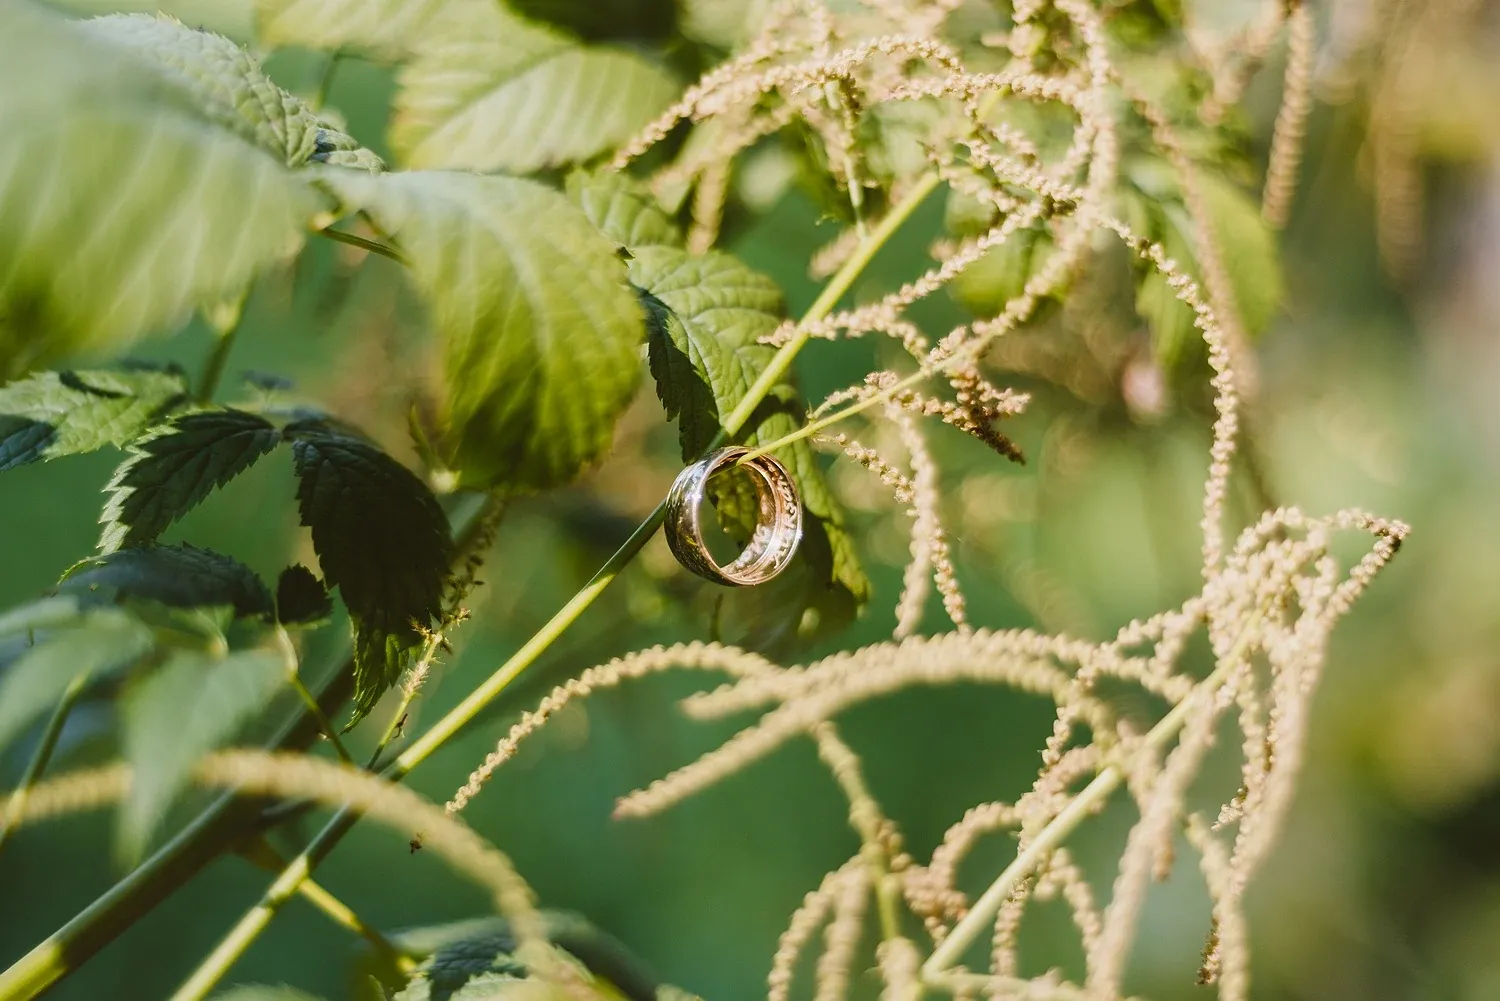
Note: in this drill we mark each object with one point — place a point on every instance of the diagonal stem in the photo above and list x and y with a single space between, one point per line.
229 949
43 754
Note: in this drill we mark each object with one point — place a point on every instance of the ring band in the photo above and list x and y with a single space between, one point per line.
778 527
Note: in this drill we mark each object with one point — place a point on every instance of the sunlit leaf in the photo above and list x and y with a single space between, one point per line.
182 710
95 645
232 89
123 204
541 328
382 539
488 90
51 414
382 29
621 210
174 467
180 576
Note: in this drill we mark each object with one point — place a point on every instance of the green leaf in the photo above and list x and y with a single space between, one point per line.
541 329
233 89
123 204
621 209
44 613
705 354
264 992
190 705
180 576
605 20
174 467
382 29
382 539
52 414
488 90
301 598
100 643
985 286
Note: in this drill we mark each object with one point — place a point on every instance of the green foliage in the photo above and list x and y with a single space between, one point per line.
190 705
301 598
174 467
603 20
92 644
489 90
382 540
180 576
51 414
705 354
263 992
232 89
123 202
541 330
621 210
1153 205
381 29
44 613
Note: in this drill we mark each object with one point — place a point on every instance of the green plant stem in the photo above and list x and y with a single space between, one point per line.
40 757
325 81
977 922
261 854
213 369
360 242
292 663
213 968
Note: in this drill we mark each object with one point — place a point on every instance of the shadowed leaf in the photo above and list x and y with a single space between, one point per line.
51 414
180 576
301 598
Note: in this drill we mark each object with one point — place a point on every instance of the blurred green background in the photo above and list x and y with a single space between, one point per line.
1378 393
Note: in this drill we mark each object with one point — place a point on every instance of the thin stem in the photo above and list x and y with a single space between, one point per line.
213 968
40 757
226 322
363 244
977 921
259 852
292 662
325 81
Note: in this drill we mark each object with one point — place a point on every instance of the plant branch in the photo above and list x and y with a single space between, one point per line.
225 319
292 662
360 242
285 886
40 757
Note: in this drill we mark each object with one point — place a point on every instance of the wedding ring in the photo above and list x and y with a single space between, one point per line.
778 525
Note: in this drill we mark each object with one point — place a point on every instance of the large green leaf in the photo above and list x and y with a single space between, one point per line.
541 329
382 540
382 29
233 89
123 203
605 20
488 90
175 467
51 414
705 354
179 576
187 707
103 641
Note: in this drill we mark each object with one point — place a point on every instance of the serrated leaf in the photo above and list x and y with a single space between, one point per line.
180 576
301 598
488 90
102 642
174 467
232 88
52 414
382 539
123 205
381 29
190 705
621 209
541 329
704 358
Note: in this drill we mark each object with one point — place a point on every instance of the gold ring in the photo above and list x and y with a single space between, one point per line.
778 527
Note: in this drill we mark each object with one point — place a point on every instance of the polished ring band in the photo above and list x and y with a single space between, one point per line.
778 526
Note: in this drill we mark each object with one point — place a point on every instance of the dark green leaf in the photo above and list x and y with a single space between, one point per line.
104 641
123 203
301 598
382 540
51 414
621 210
232 89
264 992
175 466
190 705
489 90
180 576
705 354
605 20
542 330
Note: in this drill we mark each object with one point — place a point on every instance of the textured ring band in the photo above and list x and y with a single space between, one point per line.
778 525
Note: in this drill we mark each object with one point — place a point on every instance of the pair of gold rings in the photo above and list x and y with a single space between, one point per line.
778 526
